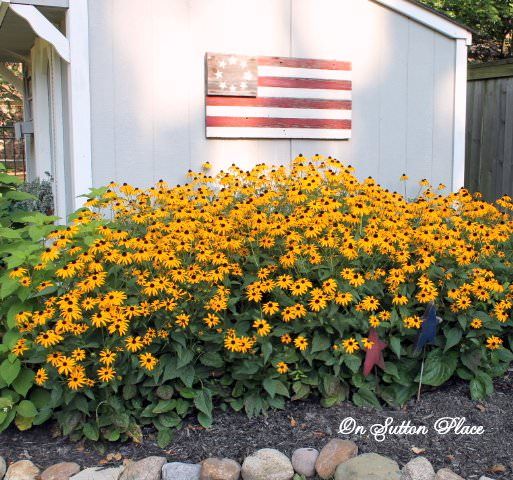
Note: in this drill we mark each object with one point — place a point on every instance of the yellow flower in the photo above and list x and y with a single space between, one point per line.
350 345
301 343
493 342
476 323
263 328
147 361
107 357
106 374
282 367
41 377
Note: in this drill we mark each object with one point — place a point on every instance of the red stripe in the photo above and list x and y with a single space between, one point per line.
225 101
304 83
304 63
277 122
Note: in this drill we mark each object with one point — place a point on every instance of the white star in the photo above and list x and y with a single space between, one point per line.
247 75
232 60
219 74
243 63
222 85
243 85
232 88
222 64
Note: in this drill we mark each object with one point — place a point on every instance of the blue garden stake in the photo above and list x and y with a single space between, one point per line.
426 336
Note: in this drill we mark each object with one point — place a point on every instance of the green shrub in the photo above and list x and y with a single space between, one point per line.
252 288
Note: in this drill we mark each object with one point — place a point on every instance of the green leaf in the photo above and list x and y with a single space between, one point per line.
23 382
164 406
184 358
91 431
267 349
9 370
354 362
212 359
395 346
26 409
203 401
439 367
366 397
320 343
453 337
205 420
164 438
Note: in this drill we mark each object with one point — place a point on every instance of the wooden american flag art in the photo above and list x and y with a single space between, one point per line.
277 97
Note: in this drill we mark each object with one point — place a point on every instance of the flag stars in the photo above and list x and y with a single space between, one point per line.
219 74
222 64
247 75
243 85
232 60
222 85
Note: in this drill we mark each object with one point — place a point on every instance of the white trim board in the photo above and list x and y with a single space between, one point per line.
459 115
77 26
43 28
429 19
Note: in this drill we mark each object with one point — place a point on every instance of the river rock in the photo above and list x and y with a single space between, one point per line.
149 468
267 464
418 469
335 452
61 471
22 470
181 471
98 473
447 474
369 466
219 469
3 467
303 461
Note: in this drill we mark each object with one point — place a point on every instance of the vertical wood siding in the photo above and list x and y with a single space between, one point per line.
489 137
147 86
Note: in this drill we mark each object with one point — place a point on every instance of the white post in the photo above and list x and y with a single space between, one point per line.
460 114
77 29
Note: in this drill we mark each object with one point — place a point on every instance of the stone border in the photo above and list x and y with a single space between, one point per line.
338 460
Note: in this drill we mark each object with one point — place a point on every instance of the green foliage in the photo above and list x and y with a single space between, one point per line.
21 242
491 19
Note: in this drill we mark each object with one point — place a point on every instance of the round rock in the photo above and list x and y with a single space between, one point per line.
3 467
447 474
369 466
181 471
98 473
149 468
61 471
303 461
267 464
335 452
22 470
418 469
219 469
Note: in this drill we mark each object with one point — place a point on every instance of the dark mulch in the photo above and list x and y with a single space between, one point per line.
305 424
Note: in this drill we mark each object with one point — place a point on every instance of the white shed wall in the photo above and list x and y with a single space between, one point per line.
147 85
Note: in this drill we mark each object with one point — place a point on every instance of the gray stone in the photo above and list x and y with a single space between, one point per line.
181 471
447 474
3 467
335 452
60 471
418 469
219 469
267 464
22 470
369 466
485 478
149 468
303 461
99 473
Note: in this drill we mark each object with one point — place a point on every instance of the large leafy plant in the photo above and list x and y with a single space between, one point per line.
21 243
251 288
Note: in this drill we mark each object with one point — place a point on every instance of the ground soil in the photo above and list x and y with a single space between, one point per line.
307 424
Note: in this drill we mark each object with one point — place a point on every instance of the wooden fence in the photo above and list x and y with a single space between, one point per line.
489 134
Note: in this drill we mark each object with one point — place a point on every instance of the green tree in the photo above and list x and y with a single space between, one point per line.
492 20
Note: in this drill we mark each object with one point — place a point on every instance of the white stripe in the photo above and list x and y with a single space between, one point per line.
289 72
304 93
272 112
253 132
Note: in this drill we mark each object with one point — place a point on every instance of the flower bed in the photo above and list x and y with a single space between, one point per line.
249 288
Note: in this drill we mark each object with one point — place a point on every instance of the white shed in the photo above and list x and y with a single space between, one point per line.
115 89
